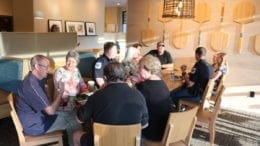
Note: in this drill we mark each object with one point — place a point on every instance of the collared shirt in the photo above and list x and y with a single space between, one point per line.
200 74
30 105
99 65
165 58
116 104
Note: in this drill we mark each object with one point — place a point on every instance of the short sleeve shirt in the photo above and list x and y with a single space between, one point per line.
165 58
99 65
73 83
200 75
116 104
30 105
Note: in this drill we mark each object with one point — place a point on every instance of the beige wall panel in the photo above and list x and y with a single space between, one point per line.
244 67
6 7
23 15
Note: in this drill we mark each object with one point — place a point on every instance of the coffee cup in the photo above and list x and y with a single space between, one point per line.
91 86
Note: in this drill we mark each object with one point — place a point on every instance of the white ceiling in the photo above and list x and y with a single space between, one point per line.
113 3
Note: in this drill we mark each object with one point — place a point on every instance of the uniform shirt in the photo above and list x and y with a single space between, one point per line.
116 104
99 65
159 104
30 105
165 58
200 75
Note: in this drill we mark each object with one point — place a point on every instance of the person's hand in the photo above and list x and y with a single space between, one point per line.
60 89
183 68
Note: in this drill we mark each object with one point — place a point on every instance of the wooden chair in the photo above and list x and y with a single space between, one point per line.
179 129
204 100
49 138
117 135
208 117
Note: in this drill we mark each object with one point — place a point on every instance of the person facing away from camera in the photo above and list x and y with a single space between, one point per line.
157 96
127 105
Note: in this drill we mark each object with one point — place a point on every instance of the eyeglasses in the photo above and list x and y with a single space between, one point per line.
44 66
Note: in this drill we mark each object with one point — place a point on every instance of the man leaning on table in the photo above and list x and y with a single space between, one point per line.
197 79
35 111
163 55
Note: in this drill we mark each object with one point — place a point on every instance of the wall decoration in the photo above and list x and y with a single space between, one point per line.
54 25
91 28
6 23
75 26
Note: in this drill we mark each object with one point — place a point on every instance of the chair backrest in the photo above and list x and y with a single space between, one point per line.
117 135
217 104
16 121
180 127
207 93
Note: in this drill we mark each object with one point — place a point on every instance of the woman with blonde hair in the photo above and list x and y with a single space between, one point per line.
220 68
157 97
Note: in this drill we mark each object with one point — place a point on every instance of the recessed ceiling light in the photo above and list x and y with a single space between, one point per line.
118 4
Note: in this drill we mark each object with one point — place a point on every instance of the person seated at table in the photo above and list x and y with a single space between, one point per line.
219 67
163 55
196 81
157 97
36 113
115 104
110 52
130 63
69 77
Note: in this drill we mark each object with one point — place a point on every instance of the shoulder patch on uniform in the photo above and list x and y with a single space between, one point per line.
193 70
98 65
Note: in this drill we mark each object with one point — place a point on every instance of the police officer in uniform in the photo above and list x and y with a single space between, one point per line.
197 79
110 52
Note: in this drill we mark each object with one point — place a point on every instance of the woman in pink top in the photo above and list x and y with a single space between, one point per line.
69 77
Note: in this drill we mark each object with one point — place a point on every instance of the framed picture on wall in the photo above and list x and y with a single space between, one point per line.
75 26
6 23
54 25
91 28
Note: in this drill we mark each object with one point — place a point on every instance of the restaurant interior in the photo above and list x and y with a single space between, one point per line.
230 26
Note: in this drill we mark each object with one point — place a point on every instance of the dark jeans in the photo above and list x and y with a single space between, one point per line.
183 93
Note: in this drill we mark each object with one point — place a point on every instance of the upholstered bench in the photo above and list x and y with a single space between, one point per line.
85 65
11 74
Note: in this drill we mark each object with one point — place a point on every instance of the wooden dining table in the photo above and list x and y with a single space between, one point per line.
172 78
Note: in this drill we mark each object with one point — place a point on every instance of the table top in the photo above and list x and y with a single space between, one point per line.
172 82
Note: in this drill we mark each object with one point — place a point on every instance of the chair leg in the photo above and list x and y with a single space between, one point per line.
212 133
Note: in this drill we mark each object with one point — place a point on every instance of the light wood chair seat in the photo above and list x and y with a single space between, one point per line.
54 138
117 135
179 129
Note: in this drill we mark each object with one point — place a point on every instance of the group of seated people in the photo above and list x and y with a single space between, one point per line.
147 100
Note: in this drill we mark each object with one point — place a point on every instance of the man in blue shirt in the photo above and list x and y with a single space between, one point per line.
197 79
110 52
36 113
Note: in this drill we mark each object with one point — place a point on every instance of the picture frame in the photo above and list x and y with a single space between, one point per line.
90 28
54 25
75 27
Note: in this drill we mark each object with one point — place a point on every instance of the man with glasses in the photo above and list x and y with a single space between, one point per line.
34 110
